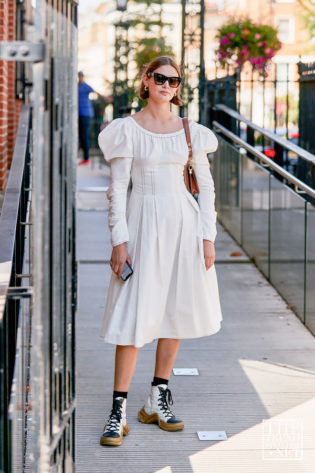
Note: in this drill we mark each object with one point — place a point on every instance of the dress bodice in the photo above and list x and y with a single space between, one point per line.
155 163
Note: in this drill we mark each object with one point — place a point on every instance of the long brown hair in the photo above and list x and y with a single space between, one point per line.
152 66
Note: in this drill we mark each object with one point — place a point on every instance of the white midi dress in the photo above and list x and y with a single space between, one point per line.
170 294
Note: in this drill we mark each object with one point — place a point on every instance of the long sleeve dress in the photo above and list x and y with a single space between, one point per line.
170 294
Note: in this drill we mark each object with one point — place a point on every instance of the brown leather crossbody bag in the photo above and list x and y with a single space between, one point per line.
189 174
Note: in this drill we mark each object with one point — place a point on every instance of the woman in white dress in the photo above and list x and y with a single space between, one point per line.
165 235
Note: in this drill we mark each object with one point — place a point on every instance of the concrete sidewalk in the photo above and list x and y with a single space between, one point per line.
256 382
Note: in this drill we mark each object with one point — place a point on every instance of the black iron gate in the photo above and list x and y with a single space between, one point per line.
44 442
192 59
307 117
221 91
307 106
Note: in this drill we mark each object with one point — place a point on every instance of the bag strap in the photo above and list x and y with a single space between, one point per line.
187 133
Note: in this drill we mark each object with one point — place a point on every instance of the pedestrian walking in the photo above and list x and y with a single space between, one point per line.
86 112
167 238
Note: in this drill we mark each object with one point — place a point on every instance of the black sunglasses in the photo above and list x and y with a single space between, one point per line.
160 79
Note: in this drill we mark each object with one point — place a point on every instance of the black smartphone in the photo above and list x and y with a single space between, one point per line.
126 272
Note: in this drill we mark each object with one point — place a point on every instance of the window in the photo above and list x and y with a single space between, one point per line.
282 71
286 28
285 71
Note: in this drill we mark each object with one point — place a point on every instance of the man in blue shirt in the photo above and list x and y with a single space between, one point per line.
86 112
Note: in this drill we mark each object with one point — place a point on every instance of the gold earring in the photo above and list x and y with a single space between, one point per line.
145 87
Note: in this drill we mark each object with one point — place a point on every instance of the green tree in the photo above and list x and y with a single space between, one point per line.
150 41
308 16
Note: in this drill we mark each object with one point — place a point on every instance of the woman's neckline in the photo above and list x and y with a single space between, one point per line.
181 130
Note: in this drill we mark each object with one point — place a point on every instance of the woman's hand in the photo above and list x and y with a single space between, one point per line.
209 253
119 257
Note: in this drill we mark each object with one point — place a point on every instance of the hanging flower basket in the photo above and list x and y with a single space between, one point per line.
243 40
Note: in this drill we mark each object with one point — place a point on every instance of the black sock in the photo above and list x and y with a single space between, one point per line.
157 381
123 394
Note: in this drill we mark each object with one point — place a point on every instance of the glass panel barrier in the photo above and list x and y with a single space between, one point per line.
287 244
274 224
226 175
310 269
255 210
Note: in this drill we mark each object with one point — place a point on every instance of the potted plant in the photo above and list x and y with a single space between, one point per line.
243 40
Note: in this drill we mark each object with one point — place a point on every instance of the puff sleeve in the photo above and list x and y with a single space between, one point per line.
204 141
115 141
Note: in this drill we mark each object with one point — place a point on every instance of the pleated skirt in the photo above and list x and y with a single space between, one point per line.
170 294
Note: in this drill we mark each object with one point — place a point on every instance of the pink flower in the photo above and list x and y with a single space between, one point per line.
267 50
244 52
231 35
261 43
257 36
225 40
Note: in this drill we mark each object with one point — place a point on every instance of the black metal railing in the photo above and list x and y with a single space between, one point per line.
14 287
270 100
297 161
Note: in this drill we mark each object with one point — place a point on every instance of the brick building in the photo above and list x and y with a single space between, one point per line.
285 15
9 104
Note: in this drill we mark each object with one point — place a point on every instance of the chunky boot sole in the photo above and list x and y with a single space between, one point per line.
114 442
154 418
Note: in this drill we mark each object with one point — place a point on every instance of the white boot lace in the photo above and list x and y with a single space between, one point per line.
165 398
115 417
